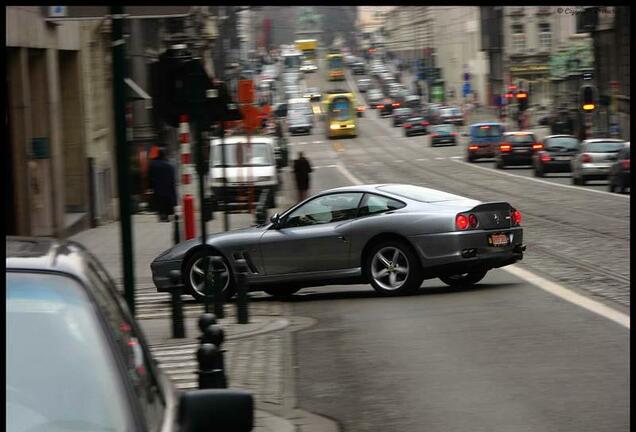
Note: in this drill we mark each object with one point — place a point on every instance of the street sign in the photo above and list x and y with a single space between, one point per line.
466 90
58 11
246 91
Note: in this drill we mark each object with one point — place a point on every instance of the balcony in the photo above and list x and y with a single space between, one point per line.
544 10
517 11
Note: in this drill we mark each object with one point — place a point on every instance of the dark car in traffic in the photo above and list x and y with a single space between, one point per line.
392 236
77 360
415 126
358 68
374 97
451 115
619 173
556 154
443 134
516 148
386 106
400 115
483 140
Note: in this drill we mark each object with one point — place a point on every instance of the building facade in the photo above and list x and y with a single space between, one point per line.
491 22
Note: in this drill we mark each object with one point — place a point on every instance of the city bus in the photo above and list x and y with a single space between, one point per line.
308 48
340 114
335 67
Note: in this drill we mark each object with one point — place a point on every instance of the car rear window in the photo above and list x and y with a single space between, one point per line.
486 131
562 142
418 193
415 119
520 139
450 111
604 147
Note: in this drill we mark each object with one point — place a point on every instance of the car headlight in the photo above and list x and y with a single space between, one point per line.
334 127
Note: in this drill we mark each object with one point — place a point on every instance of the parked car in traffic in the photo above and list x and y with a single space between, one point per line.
516 148
391 235
358 68
483 140
374 96
594 159
299 123
308 66
451 115
386 106
619 173
413 102
313 94
415 126
443 134
556 154
400 115
232 160
77 360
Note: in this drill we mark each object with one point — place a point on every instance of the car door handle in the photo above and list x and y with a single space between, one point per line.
343 238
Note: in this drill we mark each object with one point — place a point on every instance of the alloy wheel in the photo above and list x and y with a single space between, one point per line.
390 268
218 273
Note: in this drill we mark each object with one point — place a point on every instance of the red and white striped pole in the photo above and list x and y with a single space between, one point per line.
186 177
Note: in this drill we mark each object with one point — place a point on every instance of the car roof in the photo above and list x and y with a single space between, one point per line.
559 136
593 140
485 124
46 254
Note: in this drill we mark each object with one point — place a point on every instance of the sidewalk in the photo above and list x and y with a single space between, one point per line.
257 354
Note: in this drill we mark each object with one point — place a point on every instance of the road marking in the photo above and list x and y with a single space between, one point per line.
317 142
440 158
568 295
421 159
325 166
542 181
398 161
455 157
540 282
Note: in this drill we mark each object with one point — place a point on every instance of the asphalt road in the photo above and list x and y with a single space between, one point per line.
503 356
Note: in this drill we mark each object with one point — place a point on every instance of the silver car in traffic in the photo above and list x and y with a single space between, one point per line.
392 236
594 159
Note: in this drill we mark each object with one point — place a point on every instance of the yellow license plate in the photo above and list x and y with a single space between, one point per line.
498 240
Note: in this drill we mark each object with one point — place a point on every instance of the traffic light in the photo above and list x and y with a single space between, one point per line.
522 100
587 101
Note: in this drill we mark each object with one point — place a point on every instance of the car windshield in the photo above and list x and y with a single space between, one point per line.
419 193
403 111
61 374
261 155
604 147
450 112
415 119
486 131
521 139
562 142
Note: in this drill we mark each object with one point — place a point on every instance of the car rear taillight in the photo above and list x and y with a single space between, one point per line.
408 125
454 133
434 135
586 158
395 105
505 147
545 157
472 220
461 222
515 215
424 123
537 146
625 163
473 147
379 106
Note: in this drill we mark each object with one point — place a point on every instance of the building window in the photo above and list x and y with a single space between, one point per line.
518 37
545 36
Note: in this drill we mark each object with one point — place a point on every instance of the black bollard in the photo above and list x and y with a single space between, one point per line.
211 373
217 289
206 320
242 312
178 325
176 235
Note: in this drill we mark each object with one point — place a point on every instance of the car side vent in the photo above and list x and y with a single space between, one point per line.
248 259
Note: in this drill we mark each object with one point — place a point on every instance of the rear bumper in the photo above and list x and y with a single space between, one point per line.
444 140
516 159
556 166
482 152
444 250
600 172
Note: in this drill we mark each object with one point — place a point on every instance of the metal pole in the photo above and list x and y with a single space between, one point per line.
123 159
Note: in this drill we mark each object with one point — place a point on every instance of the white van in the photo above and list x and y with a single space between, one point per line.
261 167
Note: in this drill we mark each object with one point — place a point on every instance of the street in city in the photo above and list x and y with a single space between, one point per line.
301 342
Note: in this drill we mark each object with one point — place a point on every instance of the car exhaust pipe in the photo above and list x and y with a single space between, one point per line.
469 253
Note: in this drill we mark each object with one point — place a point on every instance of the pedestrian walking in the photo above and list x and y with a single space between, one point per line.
162 178
302 168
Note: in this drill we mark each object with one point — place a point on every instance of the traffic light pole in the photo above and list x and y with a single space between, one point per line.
123 159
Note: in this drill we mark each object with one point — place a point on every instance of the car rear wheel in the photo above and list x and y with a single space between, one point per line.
393 268
500 164
194 275
282 292
610 185
538 172
464 279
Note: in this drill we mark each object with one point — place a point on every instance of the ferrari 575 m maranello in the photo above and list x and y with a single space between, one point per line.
392 236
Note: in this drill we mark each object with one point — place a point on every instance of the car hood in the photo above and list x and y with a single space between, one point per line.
179 250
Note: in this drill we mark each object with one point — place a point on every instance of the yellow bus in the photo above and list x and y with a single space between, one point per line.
308 48
340 114
335 67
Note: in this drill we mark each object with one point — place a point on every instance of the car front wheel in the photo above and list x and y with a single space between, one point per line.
464 279
393 268
218 269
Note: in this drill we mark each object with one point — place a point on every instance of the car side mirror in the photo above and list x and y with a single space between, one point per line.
216 409
275 219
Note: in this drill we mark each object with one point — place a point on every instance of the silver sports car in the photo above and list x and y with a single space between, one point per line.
392 236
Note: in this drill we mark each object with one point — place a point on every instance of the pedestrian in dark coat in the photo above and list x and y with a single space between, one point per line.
162 178
302 168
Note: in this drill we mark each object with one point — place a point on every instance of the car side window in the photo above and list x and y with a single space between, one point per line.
374 204
131 343
325 209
